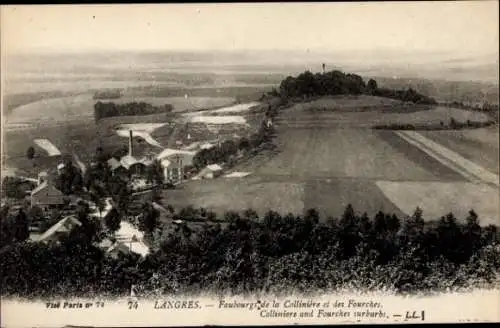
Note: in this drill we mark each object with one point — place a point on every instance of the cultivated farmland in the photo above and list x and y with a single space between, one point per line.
232 194
478 145
334 158
350 153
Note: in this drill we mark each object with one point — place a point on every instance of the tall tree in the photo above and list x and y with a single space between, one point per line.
155 173
22 226
372 86
30 153
148 221
112 220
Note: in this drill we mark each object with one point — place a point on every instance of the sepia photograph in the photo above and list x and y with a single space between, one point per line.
250 163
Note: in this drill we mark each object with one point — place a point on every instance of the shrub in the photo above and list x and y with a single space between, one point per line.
273 253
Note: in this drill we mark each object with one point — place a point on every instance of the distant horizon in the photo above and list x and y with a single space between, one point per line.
322 51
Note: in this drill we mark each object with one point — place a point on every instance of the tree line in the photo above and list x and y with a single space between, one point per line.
488 108
111 109
452 125
107 94
336 82
228 150
274 253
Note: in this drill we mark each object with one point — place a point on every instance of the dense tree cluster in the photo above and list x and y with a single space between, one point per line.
70 179
154 173
30 152
17 188
228 150
308 84
273 253
111 109
409 95
14 226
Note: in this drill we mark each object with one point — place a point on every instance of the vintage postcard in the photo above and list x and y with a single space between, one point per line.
250 164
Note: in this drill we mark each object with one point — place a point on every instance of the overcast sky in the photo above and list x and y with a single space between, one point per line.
457 26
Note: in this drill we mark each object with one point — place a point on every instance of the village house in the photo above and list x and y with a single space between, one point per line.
117 249
61 228
42 177
123 248
210 172
175 162
172 171
134 166
117 169
49 176
46 196
176 155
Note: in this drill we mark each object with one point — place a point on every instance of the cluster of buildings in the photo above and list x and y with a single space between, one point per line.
175 163
175 166
128 240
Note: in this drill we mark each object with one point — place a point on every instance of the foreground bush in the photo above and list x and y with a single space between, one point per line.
273 253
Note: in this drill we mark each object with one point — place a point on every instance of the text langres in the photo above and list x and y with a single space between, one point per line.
170 304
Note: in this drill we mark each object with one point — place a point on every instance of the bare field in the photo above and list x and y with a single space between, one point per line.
340 166
331 196
479 145
355 153
75 138
367 111
71 108
438 199
222 195
470 170
287 195
332 168
349 104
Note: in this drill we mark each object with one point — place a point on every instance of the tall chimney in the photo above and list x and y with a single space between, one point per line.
130 143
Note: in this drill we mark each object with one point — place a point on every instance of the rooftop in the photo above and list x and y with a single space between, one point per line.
214 167
127 161
113 163
169 152
64 225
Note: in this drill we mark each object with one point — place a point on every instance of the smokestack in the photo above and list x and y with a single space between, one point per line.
130 143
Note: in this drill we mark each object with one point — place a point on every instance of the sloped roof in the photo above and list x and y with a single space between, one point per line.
65 225
119 247
193 146
127 161
169 152
44 185
133 246
207 145
105 244
39 188
214 167
146 161
113 163
171 164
